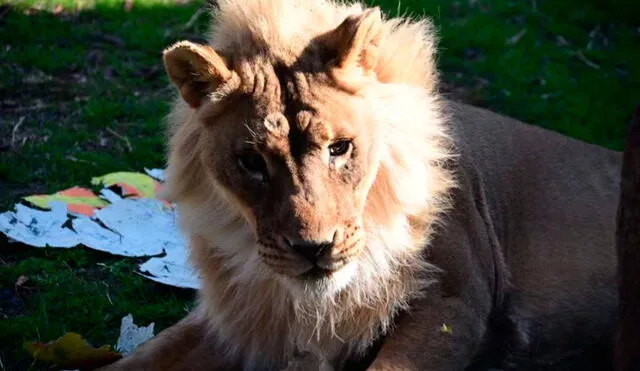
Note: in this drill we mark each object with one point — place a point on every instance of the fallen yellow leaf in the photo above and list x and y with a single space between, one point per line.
72 351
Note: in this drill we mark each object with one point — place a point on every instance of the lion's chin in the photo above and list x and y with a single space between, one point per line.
319 282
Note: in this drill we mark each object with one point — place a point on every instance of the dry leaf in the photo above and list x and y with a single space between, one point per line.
72 351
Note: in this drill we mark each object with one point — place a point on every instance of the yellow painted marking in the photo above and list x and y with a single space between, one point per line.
145 185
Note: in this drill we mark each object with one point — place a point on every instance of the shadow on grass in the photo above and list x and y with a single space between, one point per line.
83 92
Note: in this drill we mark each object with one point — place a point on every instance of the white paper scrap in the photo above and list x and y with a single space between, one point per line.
110 195
173 269
143 227
169 273
39 228
155 173
132 336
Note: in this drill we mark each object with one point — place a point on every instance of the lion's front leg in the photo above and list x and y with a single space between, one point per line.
187 345
441 335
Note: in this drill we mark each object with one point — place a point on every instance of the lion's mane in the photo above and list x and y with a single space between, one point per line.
249 309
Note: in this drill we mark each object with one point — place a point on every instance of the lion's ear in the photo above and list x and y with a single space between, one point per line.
356 41
195 69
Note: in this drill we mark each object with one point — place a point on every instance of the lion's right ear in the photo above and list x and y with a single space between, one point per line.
195 69
356 41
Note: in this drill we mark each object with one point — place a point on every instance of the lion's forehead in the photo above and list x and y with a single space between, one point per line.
290 104
278 134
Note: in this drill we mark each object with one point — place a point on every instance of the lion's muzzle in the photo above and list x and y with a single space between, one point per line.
312 251
294 255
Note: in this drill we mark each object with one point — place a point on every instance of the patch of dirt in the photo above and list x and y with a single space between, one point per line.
34 98
11 193
11 304
13 299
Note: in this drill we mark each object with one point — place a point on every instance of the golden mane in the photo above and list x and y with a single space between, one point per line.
284 28
249 309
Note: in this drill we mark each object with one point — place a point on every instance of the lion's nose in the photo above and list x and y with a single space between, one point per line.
310 250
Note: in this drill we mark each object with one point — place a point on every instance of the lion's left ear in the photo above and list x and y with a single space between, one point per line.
196 70
356 41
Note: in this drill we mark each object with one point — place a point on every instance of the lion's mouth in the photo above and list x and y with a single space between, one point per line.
315 273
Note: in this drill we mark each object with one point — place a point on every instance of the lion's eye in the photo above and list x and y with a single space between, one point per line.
339 148
254 165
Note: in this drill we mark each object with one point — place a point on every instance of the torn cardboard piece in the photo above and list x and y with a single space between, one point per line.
135 223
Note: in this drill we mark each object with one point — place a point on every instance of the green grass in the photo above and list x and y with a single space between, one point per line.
83 93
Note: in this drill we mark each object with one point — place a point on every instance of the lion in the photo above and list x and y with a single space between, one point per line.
337 206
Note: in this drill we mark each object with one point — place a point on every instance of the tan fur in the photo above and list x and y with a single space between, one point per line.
279 73
397 217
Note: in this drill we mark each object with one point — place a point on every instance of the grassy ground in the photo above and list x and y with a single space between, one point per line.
82 93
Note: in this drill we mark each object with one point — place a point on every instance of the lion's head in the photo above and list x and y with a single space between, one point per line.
293 134
306 150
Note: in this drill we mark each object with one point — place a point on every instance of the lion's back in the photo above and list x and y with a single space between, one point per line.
552 201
